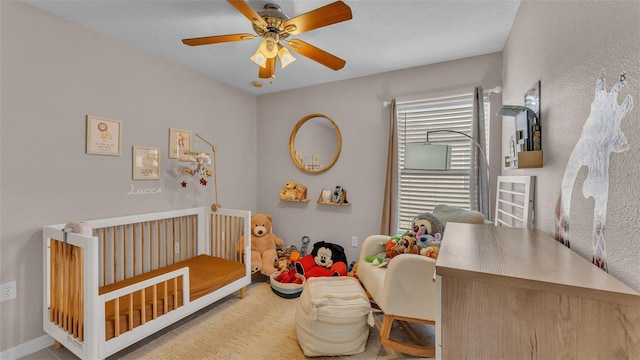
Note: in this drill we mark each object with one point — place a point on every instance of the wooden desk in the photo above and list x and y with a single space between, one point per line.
516 293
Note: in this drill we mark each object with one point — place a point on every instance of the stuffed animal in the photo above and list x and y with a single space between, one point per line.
431 251
339 195
80 227
263 244
429 240
406 245
300 192
288 192
412 248
425 224
326 259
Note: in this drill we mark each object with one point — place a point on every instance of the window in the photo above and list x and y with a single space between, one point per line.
419 190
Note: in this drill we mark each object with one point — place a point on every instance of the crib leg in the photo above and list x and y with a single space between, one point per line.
242 292
57 345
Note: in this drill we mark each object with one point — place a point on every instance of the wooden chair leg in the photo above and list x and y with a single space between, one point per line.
242 292
406 348
57 345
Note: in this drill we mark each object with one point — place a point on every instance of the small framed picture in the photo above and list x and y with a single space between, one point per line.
104 136
146 163
179 142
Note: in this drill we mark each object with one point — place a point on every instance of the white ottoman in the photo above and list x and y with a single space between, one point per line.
333 316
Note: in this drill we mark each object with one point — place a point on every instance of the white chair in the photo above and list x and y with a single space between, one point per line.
514 201
405 291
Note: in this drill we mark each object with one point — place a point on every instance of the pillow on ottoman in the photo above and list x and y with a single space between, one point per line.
446 213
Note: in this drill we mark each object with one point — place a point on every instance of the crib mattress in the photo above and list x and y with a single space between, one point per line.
206 274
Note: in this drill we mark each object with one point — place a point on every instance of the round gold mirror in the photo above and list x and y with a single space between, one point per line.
315 143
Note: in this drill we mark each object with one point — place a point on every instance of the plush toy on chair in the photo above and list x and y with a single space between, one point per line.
263 245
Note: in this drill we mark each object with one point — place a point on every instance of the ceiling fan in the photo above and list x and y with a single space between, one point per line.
274 27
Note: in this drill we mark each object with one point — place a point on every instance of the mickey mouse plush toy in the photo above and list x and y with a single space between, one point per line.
326 259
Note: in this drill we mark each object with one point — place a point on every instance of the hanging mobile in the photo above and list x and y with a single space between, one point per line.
215 205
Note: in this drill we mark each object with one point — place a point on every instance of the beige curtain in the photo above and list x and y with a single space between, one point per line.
388 223
479 184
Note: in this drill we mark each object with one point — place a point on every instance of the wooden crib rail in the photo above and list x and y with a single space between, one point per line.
163 289
132 249
226 229
67 287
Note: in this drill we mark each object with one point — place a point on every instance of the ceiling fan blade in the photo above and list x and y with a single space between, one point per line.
327 15
249 13
217 39
268 71
316 54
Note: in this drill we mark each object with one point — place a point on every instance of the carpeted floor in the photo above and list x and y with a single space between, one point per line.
260 326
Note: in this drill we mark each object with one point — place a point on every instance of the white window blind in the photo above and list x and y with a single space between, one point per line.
421 190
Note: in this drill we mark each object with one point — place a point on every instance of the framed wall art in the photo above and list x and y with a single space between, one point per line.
179 142
104 136
146 163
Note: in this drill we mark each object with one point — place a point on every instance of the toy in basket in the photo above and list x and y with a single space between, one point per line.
287 290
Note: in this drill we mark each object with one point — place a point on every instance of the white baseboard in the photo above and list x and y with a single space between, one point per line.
27 348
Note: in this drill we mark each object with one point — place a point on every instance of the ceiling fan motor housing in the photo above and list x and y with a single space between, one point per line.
275 18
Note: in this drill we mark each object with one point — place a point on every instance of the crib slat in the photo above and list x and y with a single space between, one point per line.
166 243
131 311
104 257
124 252
175 293
154 309
143 314
117 317
166 298
81 297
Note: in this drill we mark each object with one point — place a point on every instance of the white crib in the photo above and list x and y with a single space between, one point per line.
138 274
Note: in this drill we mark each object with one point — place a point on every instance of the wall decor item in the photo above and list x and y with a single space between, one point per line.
601 135
179 141
104 136
315 143
146 163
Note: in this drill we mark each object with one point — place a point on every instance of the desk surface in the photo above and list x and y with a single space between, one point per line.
525 258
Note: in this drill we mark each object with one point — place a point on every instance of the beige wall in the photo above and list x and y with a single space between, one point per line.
54 73
566 44
356 106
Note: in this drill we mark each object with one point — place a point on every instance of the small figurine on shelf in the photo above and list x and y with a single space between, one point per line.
300 192
288 191
339 195
325 196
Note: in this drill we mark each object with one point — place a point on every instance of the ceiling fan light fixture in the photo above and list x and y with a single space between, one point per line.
269 47
259 58
286 58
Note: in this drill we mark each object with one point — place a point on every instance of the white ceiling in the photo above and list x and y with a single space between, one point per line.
384 35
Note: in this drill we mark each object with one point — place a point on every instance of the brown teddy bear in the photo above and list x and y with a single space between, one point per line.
288 192
300 192
263 245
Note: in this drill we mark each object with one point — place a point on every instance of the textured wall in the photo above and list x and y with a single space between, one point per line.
54 73
566 45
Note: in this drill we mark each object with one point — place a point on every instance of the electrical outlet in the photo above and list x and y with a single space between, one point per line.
354 241
8 291
176 248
